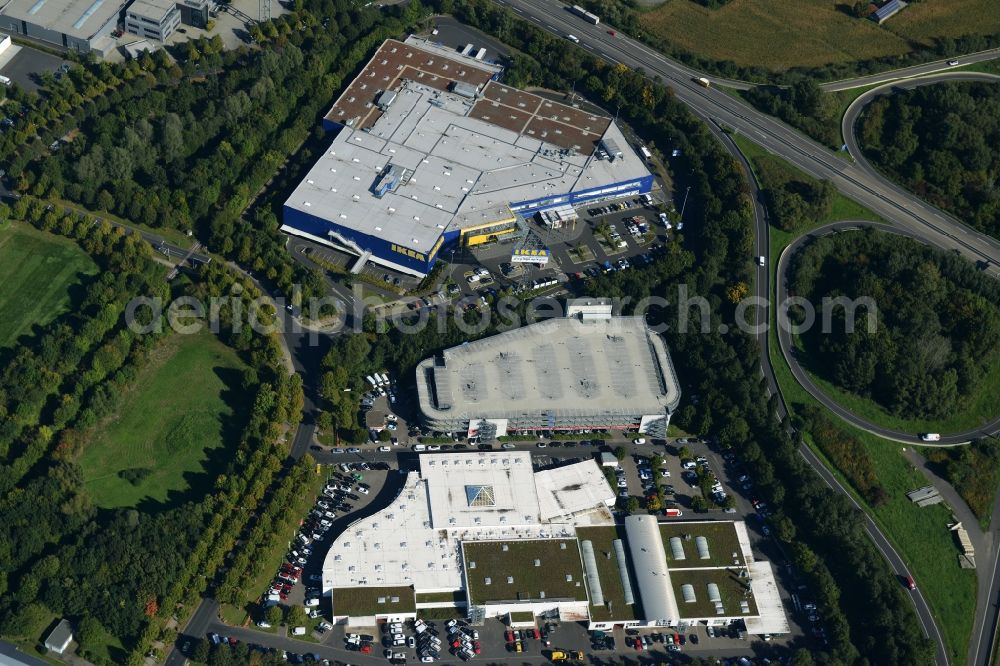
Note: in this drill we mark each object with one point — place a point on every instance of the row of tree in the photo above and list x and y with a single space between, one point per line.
941 142
936 331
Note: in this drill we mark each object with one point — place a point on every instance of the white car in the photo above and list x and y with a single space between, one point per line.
385 449
434 447
952 63
311 602
641 440
761 260
427 660
931 437
264 624
506 445
325 626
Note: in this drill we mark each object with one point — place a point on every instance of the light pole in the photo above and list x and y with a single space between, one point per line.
685 201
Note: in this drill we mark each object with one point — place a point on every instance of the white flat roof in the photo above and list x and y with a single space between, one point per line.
414 542
77 18
481 489
563 366
572 489
771 618
464 170
153 9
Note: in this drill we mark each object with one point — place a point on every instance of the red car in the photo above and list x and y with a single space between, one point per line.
477 648
535 634
509 636
612 33
637 644
456 643
366 648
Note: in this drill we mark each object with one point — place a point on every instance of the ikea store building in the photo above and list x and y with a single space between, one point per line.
430 149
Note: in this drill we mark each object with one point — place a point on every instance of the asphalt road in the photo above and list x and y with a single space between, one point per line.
924 613
848 126
803 378
877 193
908 72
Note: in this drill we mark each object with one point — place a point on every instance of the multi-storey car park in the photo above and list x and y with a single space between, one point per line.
432 149
589 370
505 541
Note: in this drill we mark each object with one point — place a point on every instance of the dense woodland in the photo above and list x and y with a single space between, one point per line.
803 105
938 326
941 142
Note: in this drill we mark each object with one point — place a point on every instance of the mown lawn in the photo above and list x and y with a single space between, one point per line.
186 407
810 33
38 272
919 535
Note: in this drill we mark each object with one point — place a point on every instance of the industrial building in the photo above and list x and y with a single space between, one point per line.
431 149
154 19
77 25
86 25
586 371
484 528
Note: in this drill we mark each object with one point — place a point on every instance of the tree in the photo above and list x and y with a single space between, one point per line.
296 616
620 453
274 615
89 632
632 505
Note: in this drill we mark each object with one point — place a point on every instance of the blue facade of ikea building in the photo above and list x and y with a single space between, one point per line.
320 229
383 251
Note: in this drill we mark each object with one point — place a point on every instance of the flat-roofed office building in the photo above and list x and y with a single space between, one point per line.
155 19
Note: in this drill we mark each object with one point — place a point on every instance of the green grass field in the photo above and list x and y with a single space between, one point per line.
37 271
919 535
810 33
185 408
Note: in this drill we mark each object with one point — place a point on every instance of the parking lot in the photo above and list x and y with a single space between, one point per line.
375 469
26 65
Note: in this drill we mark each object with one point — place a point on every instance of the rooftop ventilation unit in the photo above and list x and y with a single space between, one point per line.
687 591
713 593
677 548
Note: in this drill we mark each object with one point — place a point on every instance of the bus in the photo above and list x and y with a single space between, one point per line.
585 15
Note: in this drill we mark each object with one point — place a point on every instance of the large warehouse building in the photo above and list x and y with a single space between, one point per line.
78 25
586 371
485 531
431 149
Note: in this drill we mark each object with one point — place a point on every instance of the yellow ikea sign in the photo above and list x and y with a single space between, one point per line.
408 252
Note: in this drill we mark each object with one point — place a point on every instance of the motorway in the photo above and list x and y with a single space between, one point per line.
877 193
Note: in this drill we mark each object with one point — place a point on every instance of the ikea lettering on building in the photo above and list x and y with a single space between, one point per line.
430 149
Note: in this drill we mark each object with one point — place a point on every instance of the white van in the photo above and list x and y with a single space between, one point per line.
419 447
573 38
299 631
